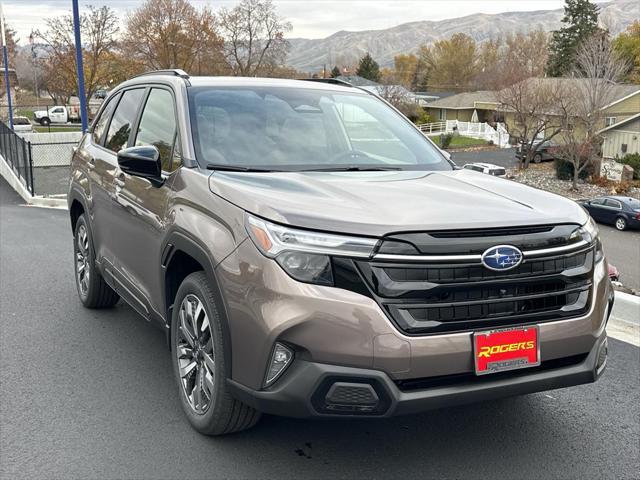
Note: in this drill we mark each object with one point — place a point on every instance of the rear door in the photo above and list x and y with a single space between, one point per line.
612 208
139 207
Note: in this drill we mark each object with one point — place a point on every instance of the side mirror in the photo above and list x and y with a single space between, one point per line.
142 161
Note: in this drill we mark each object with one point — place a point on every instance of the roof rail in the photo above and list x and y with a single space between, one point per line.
171 71
333 81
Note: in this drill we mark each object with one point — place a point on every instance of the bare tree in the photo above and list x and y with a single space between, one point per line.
174 34
98 28
254 37
401 98
538 108
597 69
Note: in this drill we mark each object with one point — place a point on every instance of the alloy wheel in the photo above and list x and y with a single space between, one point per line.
621 224
194 349
83 270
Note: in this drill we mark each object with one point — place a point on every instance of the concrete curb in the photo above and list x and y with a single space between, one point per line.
35 201
624 323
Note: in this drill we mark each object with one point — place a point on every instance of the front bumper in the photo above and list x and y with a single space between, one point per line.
304 391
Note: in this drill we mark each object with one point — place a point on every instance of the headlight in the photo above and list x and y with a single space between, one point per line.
589 233
305 255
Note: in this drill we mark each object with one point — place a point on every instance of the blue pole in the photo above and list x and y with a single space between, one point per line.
81 95
5 59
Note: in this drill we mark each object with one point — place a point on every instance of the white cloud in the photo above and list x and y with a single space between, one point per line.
310 18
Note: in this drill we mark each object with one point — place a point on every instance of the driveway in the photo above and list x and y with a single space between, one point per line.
505 157
90 394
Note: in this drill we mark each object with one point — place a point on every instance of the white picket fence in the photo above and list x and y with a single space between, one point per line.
499 135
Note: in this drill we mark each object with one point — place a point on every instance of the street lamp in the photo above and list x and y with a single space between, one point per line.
6 67
34 63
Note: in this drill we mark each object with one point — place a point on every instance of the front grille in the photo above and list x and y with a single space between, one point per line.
446 296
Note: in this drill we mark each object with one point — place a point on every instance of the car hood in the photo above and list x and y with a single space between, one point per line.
378 203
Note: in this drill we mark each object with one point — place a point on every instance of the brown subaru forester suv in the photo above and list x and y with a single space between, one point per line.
310 253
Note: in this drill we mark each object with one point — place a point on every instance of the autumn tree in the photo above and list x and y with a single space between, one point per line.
368 68
525 56
580 21
595 72
164 34
254 37
451 63
10 36
98 28
539 109
627 45
406 70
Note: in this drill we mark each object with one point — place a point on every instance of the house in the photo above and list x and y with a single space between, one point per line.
484 106
480 106
621 137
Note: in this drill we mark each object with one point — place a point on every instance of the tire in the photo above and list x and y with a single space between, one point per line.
537 158
45 122
621 223
92 289
199 364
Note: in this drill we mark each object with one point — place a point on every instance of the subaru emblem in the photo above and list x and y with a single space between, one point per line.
501 257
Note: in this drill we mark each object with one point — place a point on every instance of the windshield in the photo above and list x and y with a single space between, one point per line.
279 128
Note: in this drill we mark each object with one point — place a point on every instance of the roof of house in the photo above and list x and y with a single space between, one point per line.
465 100
617 125
468 100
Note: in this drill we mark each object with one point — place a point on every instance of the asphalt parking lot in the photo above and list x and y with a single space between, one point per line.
89 394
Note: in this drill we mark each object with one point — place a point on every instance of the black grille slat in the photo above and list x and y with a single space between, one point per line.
439 297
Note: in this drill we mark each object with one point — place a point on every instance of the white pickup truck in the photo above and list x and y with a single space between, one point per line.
57 114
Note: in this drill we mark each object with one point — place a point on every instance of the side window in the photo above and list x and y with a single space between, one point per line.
102 121
597 201
613 204
158 126
123 118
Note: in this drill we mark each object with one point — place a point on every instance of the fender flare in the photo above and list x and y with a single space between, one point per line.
180 240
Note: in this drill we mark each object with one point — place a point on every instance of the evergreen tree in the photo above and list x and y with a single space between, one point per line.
335 72
580 22
368 68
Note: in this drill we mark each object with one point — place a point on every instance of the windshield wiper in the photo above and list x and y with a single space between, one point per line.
351 168
235 168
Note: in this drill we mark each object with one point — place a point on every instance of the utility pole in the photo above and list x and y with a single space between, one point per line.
6 66
34 62
80 67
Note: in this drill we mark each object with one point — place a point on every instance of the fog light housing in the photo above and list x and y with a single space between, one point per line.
280 360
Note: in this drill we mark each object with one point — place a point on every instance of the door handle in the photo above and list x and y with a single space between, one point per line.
91 163
119 180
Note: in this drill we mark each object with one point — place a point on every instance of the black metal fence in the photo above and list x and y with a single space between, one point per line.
17 154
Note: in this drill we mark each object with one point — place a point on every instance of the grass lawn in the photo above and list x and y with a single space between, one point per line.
464 142
41 129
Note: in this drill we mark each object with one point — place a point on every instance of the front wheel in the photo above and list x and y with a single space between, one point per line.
198 353
537 158
621 223
45 122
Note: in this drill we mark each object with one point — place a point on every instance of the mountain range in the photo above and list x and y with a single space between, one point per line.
344 47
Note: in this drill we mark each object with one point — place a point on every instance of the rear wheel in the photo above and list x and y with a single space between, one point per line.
92 289
621 223
199 362
537 158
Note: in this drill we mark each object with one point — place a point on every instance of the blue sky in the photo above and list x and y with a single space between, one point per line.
310 18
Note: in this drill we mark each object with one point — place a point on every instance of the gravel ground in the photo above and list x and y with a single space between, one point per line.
544 177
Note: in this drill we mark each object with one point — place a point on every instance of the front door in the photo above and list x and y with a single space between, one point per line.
139 208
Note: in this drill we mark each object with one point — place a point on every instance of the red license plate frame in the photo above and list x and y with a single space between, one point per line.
506 349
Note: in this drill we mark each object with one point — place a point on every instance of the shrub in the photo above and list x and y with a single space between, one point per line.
564 170
633 160
422 117
445 140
